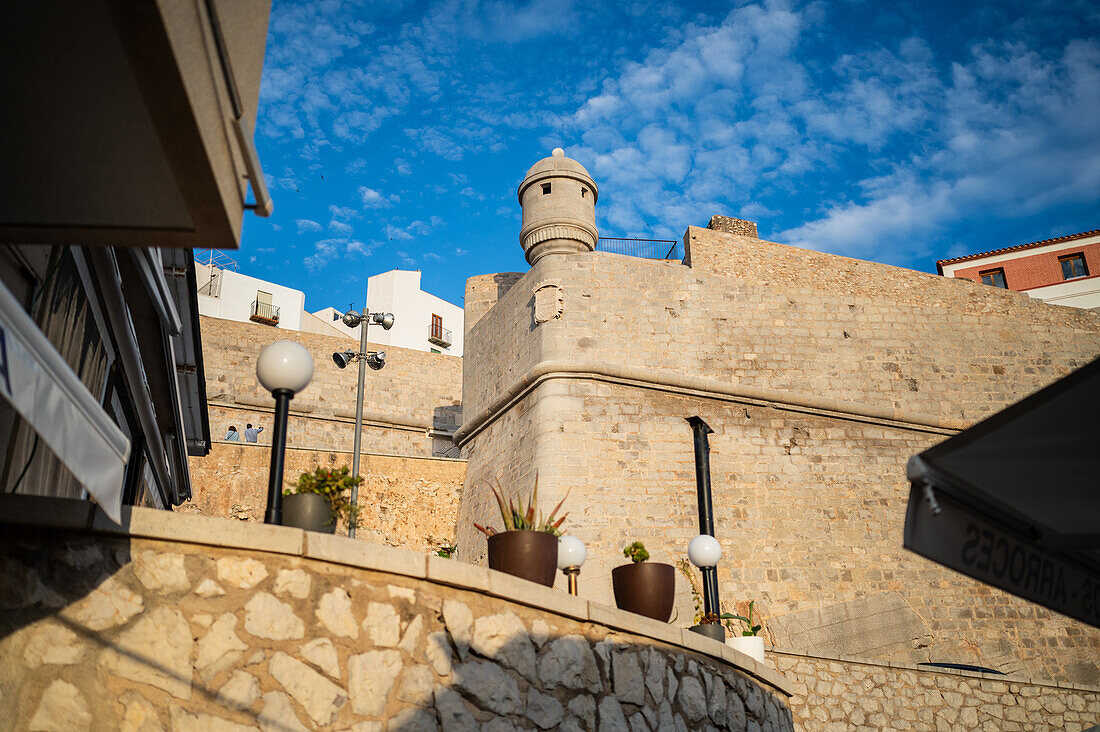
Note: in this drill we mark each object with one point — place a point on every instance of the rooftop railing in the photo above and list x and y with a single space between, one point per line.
644 248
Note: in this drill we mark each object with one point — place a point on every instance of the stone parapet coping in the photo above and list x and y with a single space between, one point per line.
370 418
145 523
697 386
899 666
341 450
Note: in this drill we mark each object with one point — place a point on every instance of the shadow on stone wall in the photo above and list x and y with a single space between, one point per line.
196 637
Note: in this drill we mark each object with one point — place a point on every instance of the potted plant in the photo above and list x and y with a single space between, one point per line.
321 499
645 588
708 624
744 638
528 545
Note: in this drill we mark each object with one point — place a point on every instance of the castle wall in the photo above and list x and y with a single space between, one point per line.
821 376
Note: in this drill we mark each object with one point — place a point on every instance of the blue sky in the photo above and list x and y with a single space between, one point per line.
394 134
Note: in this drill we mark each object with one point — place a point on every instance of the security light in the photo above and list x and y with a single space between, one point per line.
376 360
383 319
342 359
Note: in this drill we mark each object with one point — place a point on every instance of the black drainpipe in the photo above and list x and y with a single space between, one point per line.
706 509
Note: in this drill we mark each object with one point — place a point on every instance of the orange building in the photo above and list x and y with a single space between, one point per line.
1060 271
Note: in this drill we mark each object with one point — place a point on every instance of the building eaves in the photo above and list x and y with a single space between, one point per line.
1018 247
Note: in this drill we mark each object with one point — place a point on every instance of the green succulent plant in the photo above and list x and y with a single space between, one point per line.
517 516
334 485
636 552
747 628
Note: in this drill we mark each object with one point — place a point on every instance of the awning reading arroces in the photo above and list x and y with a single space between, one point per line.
44 391
1014 501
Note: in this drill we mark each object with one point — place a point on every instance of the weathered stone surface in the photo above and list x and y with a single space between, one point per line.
203 620
139 715
584 707
107 606
334 612
185 721
673 684
414 720
52 644
458 619
500 724
241 572
240 692
437 652
416 685
735 711
318 696
161 571
157 651
278 714
20 586
638 723
543 709
664 717
61 709
611 716
293 582
655 675
78 556
371 676
504 638
626 673
401 593
382 624
540 632
220 648
209 588
268 617
411 640
453 714
568 661
716 699
491 686
322 654
692 699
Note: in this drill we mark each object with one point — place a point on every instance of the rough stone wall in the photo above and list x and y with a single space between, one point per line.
483 292
809 500
131 633
415 390
733 226
846 694
408 502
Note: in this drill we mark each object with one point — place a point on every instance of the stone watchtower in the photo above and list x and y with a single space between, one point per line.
558 197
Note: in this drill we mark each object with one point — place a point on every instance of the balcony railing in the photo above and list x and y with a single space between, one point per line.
439 335
644 248
264 312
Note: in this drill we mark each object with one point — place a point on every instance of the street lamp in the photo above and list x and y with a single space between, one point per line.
571 555
376 360
700 430
284 368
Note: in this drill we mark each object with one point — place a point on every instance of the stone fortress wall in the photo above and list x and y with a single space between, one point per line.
820 376
411 408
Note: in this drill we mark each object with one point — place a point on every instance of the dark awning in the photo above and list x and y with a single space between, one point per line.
1014 501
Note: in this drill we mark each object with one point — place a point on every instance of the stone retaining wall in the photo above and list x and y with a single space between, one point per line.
191 623
840 694
408 502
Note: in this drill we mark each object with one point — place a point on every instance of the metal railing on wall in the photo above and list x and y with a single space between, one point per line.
644 248
264 312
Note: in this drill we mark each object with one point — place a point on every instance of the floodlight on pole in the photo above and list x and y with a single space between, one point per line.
376 360
284 368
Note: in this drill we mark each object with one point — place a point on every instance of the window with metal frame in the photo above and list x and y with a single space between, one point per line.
995 278
1073 266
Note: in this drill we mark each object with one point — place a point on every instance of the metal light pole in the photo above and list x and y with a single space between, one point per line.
706 509
284 368
375 360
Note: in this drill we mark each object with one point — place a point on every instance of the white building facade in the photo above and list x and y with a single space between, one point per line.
224 293
422 321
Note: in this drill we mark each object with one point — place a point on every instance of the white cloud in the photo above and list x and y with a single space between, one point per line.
343 212
307 225
394 233
339 227
375 199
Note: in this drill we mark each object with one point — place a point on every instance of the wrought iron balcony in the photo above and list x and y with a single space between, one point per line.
439 335
264 312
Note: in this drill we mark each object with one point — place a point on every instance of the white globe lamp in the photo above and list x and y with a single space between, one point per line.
571 555
704 551
284 368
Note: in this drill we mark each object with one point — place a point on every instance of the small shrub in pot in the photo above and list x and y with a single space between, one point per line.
321 499
528 545
643 587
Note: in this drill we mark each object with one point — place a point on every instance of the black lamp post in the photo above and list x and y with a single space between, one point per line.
284 368
705 550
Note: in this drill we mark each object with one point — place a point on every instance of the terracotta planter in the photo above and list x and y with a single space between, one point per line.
532 555
646 588
308 511
711 630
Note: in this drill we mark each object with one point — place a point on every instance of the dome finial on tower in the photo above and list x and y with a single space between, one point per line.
558 198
